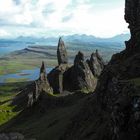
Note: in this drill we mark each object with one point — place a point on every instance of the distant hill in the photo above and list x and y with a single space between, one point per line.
89 38
72 38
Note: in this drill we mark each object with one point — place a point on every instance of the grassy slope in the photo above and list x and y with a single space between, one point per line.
7 93
50 124
15 65
59 114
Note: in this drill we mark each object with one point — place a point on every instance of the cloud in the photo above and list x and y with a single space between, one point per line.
48 9
4 33
67 18
17 2
54 17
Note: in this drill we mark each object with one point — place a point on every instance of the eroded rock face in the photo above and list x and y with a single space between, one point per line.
79 75
96 64
62 52
31 93
71 78
114 91
125 114
56 78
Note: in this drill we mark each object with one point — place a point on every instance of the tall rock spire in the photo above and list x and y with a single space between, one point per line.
31 93
42 72
62 52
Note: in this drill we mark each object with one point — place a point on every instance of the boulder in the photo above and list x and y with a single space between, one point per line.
62 52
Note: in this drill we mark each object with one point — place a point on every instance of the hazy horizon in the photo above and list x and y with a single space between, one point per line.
48 18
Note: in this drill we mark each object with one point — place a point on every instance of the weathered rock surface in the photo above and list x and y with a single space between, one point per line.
119 98
62 52
113 112
132 17
56 78
70 78
79 76
96 64
31 93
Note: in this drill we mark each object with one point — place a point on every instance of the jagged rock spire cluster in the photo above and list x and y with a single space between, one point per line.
80 76
96 63
64 77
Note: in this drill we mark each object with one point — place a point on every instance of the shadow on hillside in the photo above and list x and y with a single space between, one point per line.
48 112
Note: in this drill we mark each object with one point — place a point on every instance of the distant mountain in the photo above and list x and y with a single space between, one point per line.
76 38
120 38
89 38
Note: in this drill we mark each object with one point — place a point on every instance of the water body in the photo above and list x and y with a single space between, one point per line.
7 47
29 75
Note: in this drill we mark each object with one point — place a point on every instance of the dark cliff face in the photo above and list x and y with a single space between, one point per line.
115 91
113 112
96 64
126 64
80 75
132 17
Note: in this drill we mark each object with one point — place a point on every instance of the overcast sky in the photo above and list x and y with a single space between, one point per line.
101 18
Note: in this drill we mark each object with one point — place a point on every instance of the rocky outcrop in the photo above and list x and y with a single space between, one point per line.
125 114
31 93
113 112
113 91
71 78
132 17
62 52
79 76
56 78
65 77
42 83
96 63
